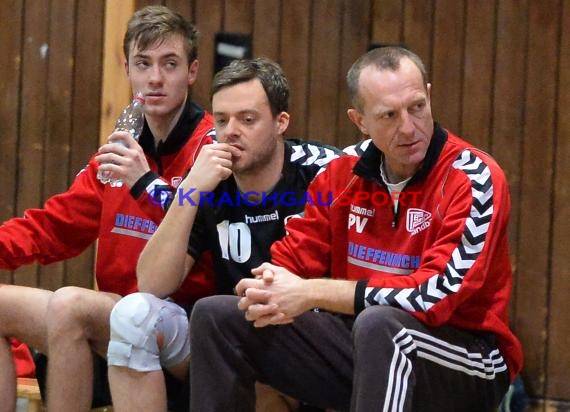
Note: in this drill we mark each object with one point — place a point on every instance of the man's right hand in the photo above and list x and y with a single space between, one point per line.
214 164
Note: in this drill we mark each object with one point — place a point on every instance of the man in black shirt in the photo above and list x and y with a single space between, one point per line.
234 204
239 225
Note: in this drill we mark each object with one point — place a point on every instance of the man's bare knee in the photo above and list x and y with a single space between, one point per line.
77 313
64 308
23 314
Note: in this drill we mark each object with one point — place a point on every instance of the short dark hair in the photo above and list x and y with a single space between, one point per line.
153 24
267 71
383 58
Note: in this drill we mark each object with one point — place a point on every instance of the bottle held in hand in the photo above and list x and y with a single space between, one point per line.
131 120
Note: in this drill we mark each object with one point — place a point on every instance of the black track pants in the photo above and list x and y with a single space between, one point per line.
384 360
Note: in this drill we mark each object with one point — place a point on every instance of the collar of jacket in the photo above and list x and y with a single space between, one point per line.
368 167
188 121
291 169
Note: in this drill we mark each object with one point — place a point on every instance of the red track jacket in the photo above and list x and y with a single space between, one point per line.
443 256
121 221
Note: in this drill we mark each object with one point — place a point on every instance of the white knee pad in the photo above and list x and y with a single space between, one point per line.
137 322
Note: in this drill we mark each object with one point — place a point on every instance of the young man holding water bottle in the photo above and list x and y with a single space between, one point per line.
72 324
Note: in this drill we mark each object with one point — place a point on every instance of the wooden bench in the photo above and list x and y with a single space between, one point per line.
29 390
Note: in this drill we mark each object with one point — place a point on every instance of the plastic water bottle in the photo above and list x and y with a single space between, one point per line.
131 120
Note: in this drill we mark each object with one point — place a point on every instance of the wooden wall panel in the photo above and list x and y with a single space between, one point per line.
295 51
541 405
238 16
87 77
10 73
387 22
31 148
267 29
184 7
208 17
508 109
447 63
478 73
558 361
58 79
143 3
418 29
86 113
58 118
323 84
354 42
116 90
536 190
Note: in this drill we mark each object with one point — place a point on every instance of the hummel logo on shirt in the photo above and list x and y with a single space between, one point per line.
262 218
417 220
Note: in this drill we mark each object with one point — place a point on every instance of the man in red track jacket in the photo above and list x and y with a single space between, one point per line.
160 48
413 241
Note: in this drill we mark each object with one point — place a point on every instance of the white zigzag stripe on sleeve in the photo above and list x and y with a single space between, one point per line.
440 285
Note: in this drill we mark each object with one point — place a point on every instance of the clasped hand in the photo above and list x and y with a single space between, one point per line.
274 297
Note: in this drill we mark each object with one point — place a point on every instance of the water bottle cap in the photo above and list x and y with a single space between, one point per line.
139 97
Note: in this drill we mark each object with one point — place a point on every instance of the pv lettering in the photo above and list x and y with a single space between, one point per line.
357 221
